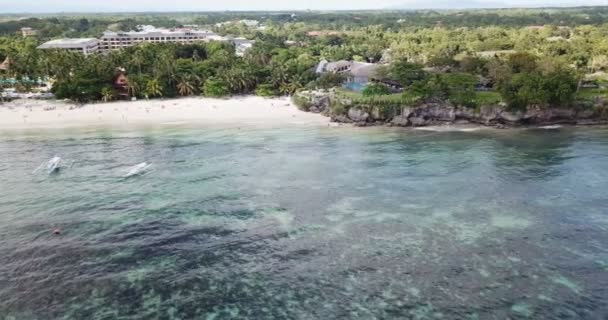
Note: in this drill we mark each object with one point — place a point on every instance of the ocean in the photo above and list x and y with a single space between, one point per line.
305 223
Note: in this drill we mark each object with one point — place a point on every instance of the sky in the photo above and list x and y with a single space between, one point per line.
40 6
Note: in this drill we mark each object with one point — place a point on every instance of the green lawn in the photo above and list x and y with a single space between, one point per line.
358 97
591 94
484 98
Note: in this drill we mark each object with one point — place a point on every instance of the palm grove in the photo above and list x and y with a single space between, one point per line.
544 66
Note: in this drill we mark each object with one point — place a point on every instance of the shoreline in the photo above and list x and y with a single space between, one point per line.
437 112
239 110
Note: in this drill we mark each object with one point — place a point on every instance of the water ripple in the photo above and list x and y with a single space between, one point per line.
307 223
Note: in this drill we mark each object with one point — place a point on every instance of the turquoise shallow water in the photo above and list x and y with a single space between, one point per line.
306 223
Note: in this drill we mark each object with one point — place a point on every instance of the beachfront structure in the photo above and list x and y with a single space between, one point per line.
359 72
248 23
118 40
83 45
241 45
13 88
148 34
28 32
121 85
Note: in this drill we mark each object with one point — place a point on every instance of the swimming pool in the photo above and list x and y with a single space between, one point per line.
355 86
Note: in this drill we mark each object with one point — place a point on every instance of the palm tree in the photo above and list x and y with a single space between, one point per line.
581 65
107 94
240 80
186 85
195 55
297 82
133 88
290 87
279 76
165 68
153 89
232 79
138 59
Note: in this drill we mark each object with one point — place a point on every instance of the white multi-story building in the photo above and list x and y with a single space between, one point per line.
82 45
28 32
241 45
248 23
119 40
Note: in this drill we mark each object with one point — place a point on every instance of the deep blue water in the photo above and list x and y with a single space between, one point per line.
306 223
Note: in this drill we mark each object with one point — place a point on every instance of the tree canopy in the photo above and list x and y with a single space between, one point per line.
534 56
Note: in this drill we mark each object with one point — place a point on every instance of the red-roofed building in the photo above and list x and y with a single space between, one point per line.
121 85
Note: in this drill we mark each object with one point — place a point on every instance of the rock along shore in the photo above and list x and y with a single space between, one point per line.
434 112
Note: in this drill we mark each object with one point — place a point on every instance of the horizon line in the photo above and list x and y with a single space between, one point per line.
304 10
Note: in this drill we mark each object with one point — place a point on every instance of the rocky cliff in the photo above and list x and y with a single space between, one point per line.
436 112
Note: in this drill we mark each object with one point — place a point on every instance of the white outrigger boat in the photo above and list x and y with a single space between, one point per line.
53 165
138 170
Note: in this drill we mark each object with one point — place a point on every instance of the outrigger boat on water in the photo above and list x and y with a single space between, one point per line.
138 170
53 165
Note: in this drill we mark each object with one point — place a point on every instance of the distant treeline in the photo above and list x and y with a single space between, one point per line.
81 25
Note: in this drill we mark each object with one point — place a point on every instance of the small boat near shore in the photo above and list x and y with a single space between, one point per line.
54 165
550 127
448 128
138 170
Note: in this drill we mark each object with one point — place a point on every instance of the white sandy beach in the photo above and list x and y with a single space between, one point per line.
247 110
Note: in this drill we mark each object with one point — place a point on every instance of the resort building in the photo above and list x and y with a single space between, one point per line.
241 45
121 85
248 23
341 66
148 34
28 32
119 40
358 74
83 45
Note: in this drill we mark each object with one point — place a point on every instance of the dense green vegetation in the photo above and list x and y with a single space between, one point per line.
72 25
524 57
166 70
376 90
